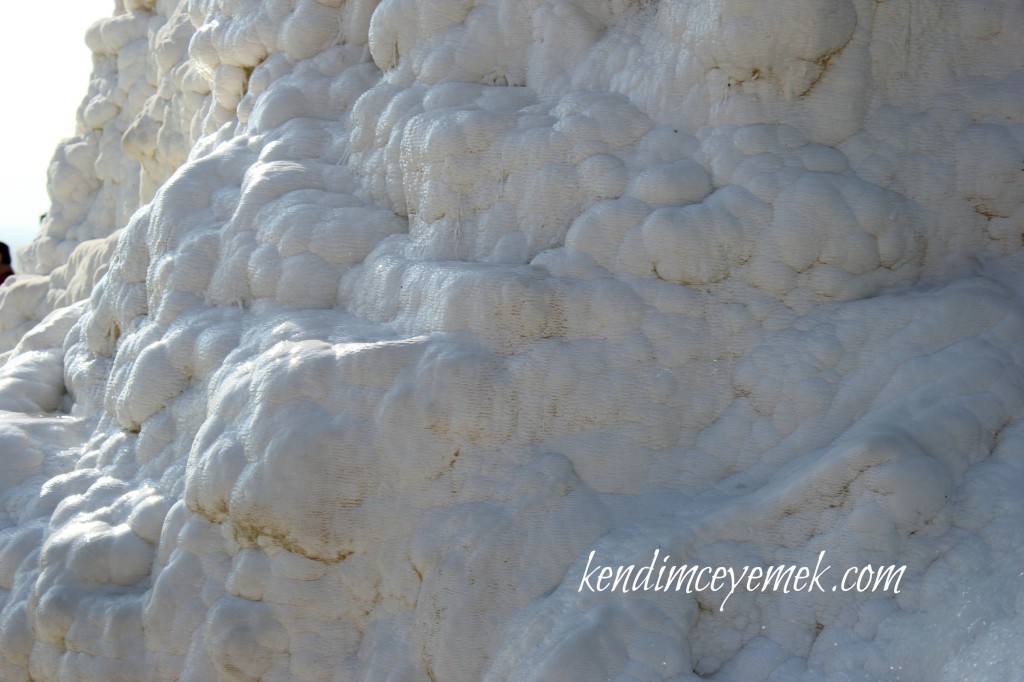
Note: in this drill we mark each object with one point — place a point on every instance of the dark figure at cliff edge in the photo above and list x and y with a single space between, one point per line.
6 269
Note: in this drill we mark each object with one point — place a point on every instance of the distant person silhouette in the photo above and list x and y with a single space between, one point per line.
5 263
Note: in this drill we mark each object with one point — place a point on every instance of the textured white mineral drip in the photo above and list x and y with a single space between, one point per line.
355 327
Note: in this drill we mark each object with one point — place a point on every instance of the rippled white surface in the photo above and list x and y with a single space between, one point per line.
356 327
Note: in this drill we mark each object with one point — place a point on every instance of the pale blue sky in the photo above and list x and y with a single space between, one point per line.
46 77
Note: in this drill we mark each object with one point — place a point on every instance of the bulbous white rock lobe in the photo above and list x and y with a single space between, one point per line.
357 330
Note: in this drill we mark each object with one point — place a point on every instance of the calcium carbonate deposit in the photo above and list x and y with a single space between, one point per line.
379 340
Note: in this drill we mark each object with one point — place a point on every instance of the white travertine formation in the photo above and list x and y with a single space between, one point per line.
356 327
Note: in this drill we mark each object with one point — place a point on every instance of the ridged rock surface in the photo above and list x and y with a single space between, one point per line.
357 330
